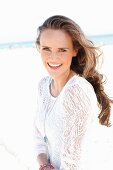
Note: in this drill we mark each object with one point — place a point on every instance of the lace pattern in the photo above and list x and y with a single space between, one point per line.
68 124
76 118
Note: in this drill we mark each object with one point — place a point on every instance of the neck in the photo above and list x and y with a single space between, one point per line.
58 83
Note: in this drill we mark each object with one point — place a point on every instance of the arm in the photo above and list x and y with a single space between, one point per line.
40 147
77 112
39 144
41 151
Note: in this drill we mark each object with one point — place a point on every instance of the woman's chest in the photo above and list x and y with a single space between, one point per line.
50 117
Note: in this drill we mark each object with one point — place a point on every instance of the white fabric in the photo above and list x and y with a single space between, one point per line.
70 121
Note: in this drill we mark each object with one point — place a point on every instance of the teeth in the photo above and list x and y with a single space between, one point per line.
54 65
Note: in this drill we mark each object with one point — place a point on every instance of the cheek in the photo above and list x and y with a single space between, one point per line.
45 53
43 56
67 58
44 59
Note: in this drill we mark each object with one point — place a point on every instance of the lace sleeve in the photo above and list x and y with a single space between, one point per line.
39 144
77 108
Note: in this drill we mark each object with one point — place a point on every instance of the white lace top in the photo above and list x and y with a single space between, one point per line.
67 121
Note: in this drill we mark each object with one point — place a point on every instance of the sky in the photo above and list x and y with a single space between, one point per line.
19 19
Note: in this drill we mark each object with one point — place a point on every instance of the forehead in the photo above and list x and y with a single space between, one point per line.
55 36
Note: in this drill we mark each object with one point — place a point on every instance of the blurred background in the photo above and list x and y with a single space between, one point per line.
21 69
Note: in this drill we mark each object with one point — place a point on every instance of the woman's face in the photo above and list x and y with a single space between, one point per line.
56 50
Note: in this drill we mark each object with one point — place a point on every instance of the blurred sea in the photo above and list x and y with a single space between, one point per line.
101 39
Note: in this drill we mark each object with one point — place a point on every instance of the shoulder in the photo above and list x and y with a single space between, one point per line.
43 83
85 86
44 80
81 83
80 86
80 93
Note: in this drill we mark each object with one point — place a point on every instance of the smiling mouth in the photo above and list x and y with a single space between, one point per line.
54 66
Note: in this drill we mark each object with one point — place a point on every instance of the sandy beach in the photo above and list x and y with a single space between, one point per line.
20 71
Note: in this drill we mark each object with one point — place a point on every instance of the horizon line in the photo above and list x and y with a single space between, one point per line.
31 43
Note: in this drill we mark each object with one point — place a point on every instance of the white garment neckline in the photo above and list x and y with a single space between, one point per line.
50 80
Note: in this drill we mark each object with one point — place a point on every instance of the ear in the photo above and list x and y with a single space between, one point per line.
75 52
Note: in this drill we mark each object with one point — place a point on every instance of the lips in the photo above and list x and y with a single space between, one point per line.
54 66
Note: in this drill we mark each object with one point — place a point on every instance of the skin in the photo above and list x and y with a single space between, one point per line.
56 51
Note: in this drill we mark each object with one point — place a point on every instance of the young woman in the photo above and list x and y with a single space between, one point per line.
70 98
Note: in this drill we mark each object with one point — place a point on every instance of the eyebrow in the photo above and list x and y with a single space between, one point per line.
58 48
46 46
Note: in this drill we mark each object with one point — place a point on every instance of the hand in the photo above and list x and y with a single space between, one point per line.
47 166
49 169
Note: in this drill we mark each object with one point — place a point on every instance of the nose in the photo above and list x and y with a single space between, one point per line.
54 55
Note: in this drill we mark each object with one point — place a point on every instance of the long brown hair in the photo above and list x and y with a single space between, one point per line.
85 62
